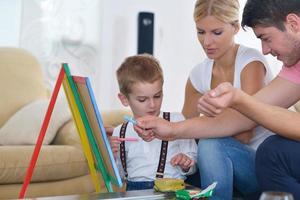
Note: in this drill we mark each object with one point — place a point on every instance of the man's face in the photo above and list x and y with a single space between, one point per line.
145 99
285 45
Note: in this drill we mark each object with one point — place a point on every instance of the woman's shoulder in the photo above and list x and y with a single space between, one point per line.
245 52
205 62
200 75
247 55
203 66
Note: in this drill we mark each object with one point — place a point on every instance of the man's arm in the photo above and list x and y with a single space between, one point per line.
274 115
228 123
279 92
263 108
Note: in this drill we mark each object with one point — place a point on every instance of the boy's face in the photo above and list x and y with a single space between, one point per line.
144 99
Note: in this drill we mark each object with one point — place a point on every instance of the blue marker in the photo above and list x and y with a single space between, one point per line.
130 119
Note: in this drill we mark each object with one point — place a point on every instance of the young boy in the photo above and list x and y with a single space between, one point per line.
140 81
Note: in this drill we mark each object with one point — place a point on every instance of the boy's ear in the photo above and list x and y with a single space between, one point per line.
123 99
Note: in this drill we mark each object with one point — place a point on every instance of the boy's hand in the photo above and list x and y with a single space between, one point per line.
109 130
183 161
114 144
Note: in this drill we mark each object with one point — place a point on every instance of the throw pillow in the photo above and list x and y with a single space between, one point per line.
24 126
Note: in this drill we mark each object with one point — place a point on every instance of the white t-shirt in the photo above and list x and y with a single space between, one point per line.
142 157
201 76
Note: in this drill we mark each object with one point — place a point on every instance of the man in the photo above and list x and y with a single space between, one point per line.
277 24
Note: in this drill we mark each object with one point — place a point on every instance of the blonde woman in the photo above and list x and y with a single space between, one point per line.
230 160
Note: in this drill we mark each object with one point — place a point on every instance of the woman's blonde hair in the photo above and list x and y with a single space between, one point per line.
226 11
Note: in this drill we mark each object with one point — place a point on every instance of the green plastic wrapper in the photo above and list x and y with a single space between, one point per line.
186 194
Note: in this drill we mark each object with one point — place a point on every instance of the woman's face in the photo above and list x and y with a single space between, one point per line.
215 36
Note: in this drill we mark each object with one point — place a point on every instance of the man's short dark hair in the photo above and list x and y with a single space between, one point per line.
269 12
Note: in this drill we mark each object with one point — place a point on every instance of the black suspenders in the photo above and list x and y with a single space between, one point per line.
163 150
122 148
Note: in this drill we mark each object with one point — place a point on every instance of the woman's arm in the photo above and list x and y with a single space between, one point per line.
190 101
252 80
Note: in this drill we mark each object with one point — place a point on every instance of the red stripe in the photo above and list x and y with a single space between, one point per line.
42 134
79 79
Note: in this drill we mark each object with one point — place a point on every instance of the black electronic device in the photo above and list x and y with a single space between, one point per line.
145 32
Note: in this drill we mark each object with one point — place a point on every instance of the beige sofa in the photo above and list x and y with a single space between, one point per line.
61 168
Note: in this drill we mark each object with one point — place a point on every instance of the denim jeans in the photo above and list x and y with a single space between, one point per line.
230 163
278 165
139 185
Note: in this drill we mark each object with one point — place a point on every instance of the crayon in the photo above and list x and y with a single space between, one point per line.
130 119
128 139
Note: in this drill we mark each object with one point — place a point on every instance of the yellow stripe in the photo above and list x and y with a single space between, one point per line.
82 133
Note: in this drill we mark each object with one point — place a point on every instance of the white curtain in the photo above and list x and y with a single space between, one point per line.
94 37
64 31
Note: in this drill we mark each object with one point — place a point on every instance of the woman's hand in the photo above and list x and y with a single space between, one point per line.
215 101
150 127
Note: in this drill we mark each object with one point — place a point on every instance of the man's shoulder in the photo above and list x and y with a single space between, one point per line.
291 73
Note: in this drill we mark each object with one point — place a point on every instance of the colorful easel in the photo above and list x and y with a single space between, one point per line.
90 127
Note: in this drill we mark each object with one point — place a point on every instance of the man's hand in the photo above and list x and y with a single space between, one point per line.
183 161
150 127
215 101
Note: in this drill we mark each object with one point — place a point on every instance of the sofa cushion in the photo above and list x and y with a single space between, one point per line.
114 117
24 126
21 81
55 162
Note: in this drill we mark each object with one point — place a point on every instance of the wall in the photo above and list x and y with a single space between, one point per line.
94 36
57 31
10 14
175 43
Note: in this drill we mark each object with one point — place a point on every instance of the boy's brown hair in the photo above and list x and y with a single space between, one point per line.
139 68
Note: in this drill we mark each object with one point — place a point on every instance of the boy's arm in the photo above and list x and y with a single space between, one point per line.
192 169
114 142
188 147
184 162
